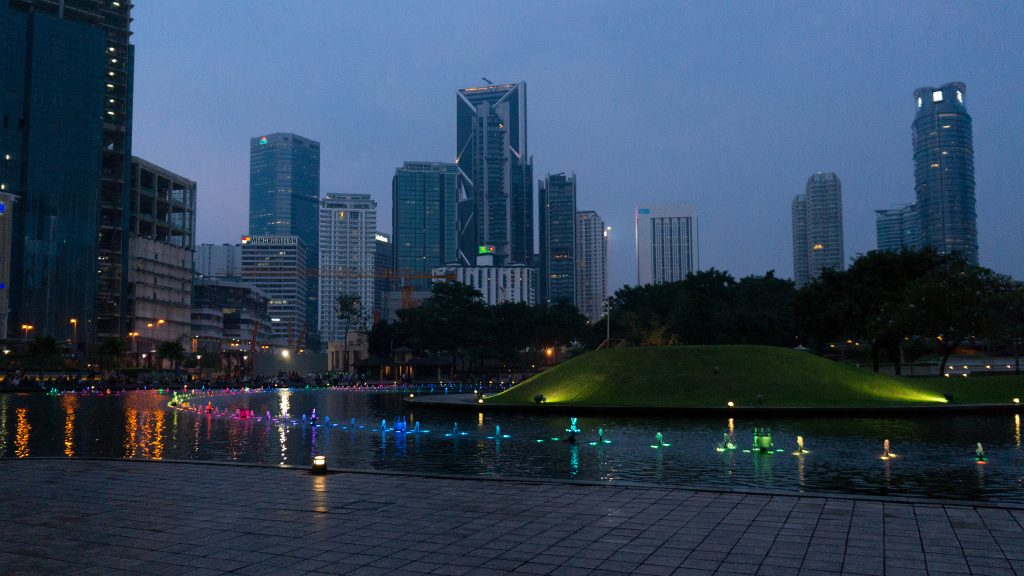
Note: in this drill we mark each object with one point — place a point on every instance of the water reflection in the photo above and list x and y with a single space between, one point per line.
1016 429
21 433
144 433
69 403
844 452
4 408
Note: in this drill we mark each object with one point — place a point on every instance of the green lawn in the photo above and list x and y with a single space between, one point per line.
712 376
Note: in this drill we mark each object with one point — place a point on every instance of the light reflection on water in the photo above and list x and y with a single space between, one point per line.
936 454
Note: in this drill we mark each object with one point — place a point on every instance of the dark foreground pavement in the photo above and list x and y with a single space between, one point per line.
111 517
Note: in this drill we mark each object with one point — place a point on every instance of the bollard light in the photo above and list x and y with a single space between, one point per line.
319 465
730 404
1016 400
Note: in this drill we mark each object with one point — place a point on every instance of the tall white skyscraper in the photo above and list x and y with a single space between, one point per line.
666 243
591 264
348 226
817 228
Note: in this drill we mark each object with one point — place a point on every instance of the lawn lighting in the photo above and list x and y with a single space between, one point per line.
411 395
1016 400
730 404
319 465
479 400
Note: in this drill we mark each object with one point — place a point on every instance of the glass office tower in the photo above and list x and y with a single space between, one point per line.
897 229
284 198
557 195
425 199
491 149
944 171
65 146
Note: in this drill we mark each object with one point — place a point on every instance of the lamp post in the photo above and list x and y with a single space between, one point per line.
199 362
74 341
135 358
26 328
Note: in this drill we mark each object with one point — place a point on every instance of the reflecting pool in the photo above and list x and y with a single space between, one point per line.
934 455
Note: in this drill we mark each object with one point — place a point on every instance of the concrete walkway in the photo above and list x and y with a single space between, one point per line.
112 517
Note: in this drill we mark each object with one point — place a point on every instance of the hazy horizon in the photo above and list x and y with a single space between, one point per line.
729 107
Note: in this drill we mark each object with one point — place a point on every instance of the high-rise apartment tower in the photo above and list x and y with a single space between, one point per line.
591 264
817 228
348 247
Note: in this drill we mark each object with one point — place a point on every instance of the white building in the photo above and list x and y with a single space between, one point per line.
348 226
666 243
591 264
498 284
221 260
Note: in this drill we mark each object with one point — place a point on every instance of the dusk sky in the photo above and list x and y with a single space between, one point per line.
728 106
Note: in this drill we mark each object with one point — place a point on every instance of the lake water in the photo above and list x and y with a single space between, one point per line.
935 454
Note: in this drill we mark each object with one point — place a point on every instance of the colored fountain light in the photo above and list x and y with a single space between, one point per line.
979 454
886 452
319 465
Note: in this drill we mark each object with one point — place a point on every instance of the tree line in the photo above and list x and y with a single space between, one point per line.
885 302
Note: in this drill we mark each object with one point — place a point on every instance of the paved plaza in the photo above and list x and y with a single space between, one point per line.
115 517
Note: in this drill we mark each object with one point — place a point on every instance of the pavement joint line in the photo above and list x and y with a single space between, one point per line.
738 490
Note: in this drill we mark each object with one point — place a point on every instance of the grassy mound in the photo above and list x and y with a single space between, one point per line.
712 376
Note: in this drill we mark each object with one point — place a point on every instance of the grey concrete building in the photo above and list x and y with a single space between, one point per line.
817 228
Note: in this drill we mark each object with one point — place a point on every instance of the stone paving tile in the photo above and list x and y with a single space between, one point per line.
113 518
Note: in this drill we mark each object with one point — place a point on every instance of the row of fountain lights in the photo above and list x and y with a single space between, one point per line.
762 443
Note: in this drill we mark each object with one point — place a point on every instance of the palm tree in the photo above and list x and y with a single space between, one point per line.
109 352
172 351
42 350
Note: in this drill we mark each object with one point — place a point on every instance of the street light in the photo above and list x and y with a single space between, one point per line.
26 328
74 341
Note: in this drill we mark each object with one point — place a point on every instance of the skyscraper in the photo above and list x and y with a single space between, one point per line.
897 228
557 195
425 197
284 196
591 264
348 227
65 147
491 150
666 243
944 171
817 228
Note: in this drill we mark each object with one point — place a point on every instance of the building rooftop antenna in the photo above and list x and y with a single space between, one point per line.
489 83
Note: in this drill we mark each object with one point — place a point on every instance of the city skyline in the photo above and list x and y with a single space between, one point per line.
580 112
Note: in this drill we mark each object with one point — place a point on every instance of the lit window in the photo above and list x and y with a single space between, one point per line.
937 96
919 102
936 165
959 96
818 247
